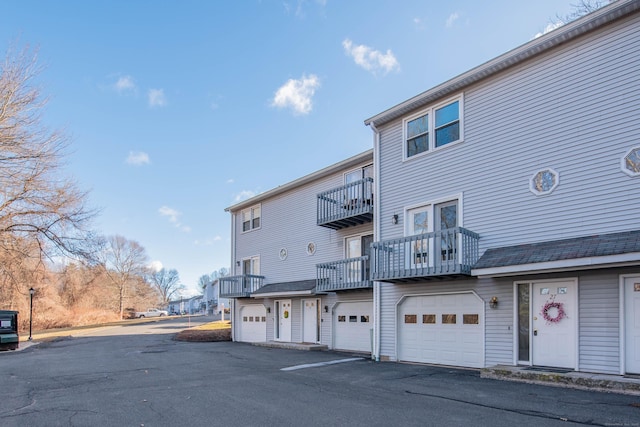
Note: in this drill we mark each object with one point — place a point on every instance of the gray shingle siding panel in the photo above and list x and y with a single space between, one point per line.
581 247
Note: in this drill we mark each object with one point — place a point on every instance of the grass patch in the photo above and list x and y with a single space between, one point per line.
209 332
213 326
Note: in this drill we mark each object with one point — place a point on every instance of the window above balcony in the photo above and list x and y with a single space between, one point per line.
251 218
433 128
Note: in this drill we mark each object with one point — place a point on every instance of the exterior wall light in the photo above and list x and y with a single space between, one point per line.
493 302
326 308
394 219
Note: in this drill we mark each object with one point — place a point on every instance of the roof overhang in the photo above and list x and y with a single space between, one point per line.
589 263
283 294
550 40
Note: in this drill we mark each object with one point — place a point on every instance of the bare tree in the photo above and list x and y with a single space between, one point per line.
36 202
124 262
581 8
167 283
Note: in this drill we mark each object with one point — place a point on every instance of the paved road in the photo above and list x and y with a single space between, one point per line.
136 375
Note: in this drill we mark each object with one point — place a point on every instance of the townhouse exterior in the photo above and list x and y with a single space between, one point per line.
300 270
508 229
505 227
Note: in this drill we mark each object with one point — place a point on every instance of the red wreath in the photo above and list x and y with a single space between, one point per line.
558 306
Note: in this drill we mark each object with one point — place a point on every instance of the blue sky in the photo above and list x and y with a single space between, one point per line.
178 109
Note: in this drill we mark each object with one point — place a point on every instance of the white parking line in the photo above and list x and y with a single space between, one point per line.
315 365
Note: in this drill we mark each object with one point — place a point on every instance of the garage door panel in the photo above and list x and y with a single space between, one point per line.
253 324
352 322
449 326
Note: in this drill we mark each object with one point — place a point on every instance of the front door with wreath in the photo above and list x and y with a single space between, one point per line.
554 313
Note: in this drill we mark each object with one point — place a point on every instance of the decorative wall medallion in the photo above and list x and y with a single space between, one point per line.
311 248
630 163
544 181
283 254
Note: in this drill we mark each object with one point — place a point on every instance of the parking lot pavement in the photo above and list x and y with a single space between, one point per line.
147 378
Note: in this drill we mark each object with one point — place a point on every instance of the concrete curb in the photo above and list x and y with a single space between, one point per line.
577 380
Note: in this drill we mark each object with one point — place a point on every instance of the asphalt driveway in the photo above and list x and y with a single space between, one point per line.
137 375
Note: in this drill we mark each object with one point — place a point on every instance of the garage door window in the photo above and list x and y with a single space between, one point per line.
364 319
410 318
470 319
448 319
342 318
429 318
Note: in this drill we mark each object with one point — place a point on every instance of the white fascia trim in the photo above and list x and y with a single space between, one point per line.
632 258
283 294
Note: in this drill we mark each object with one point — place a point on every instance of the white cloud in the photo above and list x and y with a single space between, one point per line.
157 98
231 181
125 84
138 158
370 59
451 19
297 94
174 218
244 195
155 265
207 242
550 27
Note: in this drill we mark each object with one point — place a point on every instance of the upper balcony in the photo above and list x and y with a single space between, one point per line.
346 274
350 204
445 253
240 286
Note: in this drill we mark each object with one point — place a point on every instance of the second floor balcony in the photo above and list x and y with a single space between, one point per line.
342 275
347 205
240 286
444 253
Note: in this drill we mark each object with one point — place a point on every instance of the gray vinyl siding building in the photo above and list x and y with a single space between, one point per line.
563 107
289 244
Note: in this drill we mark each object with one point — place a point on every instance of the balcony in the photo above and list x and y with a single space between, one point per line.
441 254
346 274
240 286
345 206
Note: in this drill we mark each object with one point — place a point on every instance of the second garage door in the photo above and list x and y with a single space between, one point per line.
353 322
443 329
253 323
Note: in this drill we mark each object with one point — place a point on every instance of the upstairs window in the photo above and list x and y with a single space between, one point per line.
434 128
251 218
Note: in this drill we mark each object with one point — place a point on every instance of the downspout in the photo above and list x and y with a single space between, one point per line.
376 237
232 301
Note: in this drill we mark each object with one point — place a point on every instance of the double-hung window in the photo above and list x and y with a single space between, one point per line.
433 128
251 218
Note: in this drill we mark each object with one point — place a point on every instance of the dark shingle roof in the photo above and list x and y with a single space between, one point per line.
300 285
581 247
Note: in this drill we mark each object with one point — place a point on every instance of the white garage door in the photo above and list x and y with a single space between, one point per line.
253 323
353 322
442 329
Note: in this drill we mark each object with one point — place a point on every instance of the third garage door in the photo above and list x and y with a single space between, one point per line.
445 329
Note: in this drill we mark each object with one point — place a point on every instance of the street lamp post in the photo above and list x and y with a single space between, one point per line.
31 292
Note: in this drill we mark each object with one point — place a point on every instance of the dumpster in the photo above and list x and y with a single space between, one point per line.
9 338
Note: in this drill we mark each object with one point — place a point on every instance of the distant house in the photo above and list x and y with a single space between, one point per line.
300 265
509 223
214 303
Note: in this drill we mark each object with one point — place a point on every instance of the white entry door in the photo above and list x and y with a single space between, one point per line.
632 324
310 320
554 311
283 331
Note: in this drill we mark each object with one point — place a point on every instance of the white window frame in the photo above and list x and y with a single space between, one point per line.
430 207
251 210
252 260
431 127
